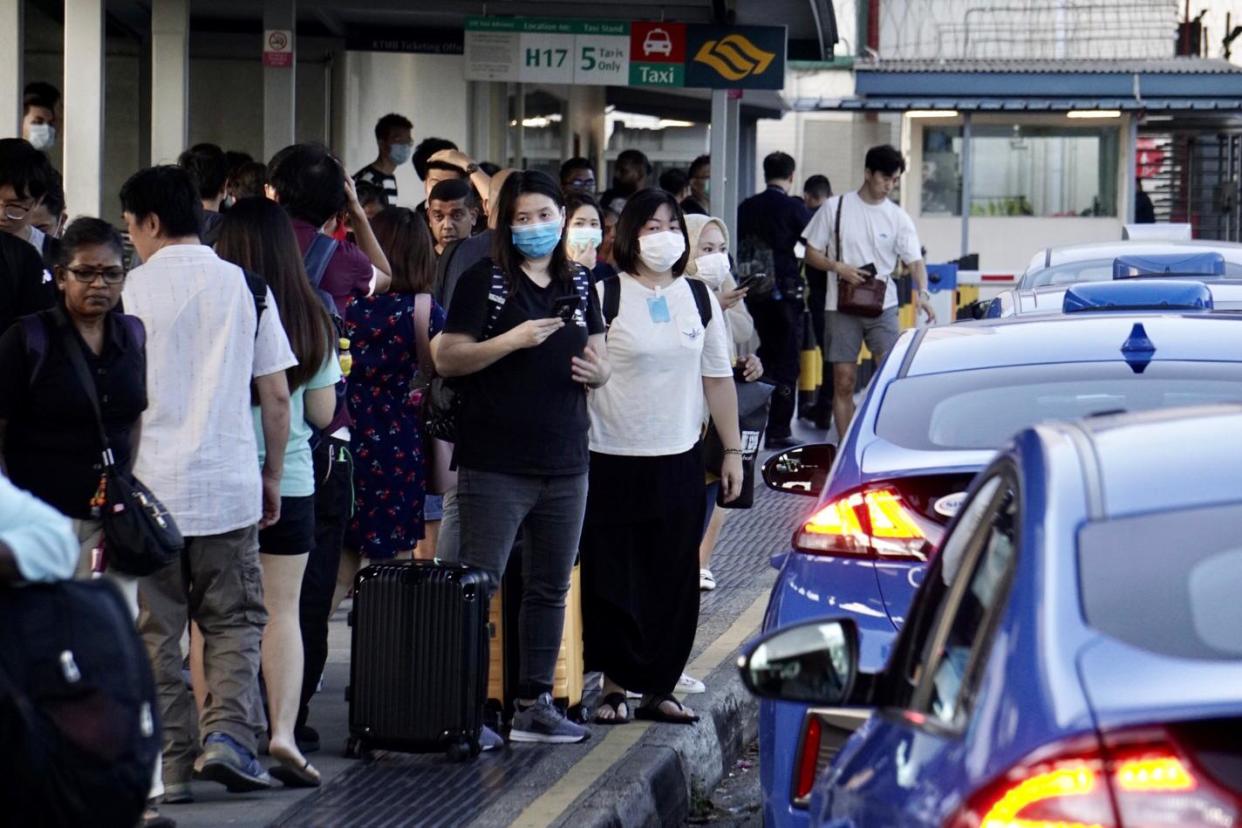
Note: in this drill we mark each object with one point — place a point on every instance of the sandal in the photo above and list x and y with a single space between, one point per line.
616 701
651 711
292 776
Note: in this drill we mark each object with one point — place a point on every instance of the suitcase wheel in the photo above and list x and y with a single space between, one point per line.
355 748
463 749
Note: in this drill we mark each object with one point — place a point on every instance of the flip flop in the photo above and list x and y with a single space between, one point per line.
616 701
651 712
293 776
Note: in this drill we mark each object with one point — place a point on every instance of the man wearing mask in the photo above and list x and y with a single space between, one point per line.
451 212
394 135
699 201
39 115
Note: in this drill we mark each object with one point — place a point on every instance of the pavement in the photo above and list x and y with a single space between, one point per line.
638 774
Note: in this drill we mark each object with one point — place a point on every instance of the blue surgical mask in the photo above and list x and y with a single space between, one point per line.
585 236
400 153
534 241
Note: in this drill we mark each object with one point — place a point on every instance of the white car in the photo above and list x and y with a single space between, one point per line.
1094 262
658 42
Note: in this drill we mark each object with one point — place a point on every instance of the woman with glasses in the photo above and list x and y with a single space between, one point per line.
49 442
26 178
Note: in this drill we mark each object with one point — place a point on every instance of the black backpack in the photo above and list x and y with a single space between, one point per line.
611 304
77 707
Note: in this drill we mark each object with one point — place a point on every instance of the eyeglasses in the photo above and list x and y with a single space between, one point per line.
582 183
87 275
16 212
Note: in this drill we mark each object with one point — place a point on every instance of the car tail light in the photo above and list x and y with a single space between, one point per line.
808 759
1141 779
824 731
869 522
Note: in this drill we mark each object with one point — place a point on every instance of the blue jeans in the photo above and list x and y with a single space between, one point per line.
493 506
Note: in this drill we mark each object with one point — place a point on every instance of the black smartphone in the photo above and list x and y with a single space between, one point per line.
565 307
869 269
749 280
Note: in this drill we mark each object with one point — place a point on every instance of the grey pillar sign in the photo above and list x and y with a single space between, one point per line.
279 74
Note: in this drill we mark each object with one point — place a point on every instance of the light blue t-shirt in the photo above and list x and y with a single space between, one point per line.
299 475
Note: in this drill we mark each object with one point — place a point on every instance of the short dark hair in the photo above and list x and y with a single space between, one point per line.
778 166
453 189
444 165
818 185
41 94
208 167
698 163
406 241
427 148
309 183
885 159
54 198
369 193
389 123
576 200
504 253
165 191
87 231
638 211
248 179
578 163
24 168
489 167
674 180
236 159
634 158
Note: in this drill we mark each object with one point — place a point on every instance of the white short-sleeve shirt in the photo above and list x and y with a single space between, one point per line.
198 451
653 404
880 234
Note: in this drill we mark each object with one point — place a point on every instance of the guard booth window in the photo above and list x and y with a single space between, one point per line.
1023 170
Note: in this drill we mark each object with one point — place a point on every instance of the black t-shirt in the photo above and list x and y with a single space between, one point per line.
51 443
524 413
25 286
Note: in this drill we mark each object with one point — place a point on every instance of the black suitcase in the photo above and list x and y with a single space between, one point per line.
418 664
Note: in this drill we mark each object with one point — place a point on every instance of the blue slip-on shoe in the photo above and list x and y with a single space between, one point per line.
227 762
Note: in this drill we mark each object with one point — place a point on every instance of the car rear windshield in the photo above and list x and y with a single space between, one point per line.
1095 270
983 408
1166 582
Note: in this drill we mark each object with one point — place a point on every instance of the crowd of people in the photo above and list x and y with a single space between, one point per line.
262 340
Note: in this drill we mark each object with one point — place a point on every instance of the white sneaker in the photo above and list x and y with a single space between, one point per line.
707 581
689 684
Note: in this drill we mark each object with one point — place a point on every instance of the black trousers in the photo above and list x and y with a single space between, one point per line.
779 329
334 471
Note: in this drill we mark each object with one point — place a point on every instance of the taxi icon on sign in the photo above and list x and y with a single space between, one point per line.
658 42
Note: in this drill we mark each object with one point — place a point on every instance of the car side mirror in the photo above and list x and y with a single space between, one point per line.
816 662
800 470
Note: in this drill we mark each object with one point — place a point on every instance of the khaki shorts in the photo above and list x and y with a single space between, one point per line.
848 332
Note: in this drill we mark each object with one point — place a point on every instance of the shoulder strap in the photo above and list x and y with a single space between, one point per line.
611 305
133 325
258 289
88 385
701 300
837 226
422 334
34 330
320 252
499 289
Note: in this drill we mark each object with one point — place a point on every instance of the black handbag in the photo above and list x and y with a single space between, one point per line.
140 536
753 401
866 299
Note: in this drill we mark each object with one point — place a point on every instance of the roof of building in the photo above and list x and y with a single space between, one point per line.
1161 66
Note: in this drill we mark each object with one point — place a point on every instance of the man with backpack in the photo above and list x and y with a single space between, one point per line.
313 188
769 225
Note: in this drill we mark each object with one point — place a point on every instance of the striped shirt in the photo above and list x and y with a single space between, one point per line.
386 182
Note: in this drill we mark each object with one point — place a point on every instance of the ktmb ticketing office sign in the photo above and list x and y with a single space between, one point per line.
620 53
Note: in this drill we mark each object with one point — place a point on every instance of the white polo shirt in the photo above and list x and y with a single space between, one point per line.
653 403
880 234
198 451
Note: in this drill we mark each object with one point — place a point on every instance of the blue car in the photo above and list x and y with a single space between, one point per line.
940 406
1074 655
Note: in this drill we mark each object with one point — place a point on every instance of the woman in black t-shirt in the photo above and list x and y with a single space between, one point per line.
526 331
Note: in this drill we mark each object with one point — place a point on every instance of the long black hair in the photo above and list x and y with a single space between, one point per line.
504 253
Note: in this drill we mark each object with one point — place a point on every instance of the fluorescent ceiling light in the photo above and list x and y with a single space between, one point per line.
932 113
1093 113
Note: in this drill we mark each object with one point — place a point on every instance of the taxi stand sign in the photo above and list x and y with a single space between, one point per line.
621 53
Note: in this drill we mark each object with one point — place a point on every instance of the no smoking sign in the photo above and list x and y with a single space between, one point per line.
278 48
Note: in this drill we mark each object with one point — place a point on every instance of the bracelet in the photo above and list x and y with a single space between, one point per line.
738 452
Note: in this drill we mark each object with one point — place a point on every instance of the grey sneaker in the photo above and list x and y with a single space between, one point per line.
490 740
544 722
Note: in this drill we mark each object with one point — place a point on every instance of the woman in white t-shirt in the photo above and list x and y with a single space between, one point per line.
645 505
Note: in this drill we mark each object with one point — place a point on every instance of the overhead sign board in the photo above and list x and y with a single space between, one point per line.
623 53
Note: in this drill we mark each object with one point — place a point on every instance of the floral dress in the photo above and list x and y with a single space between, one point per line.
390 468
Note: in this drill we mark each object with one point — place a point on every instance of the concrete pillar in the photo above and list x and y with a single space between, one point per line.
12 56
279 87
85 60
968 178
724 152
170 79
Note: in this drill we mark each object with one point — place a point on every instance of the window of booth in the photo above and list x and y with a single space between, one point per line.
1023 170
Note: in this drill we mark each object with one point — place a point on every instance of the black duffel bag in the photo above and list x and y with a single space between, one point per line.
77 707
753 401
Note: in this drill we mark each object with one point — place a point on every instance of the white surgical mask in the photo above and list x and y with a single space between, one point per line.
585 236
660 251
42 136
713 268
400 153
